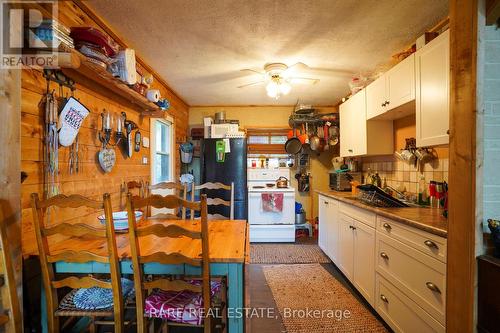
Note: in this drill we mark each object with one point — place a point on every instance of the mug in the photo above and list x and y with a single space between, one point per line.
423 155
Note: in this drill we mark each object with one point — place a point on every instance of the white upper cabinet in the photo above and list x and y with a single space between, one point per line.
401 83
361 137
395 88
432 64
376 98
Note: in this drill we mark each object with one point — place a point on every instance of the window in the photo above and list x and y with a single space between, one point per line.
267 140
162 159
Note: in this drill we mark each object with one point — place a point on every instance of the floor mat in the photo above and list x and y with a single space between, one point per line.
310 299
287 254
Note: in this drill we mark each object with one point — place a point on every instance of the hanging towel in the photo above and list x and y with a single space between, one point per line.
272 202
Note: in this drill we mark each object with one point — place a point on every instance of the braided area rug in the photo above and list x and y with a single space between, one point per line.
287 254
311 300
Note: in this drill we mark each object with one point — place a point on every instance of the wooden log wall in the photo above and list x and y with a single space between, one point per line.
91 180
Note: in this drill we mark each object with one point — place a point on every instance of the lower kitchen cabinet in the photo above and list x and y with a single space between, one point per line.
400 312
364 260
328 227
345 258
356 254
400 270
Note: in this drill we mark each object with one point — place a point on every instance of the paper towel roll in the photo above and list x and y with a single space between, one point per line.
153 95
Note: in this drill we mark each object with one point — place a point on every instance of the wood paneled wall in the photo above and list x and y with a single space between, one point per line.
91 181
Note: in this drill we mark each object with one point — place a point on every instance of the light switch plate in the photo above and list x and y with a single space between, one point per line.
144 160
145 142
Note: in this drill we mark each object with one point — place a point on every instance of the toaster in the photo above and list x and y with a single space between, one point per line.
341 181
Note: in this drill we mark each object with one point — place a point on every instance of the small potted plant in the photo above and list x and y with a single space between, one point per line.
494 226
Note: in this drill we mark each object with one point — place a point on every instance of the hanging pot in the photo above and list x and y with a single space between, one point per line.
293 145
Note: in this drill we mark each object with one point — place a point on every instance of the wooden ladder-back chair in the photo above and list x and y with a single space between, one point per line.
216 201
179 190
67 308
11 319
143 286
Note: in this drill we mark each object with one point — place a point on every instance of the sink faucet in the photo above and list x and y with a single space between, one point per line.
400 194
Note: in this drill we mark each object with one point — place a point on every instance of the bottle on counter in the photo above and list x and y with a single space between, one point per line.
422 191
432 194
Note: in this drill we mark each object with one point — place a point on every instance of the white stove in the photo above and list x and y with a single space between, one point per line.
270 226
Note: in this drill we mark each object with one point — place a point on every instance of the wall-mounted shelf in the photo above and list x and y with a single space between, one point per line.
104 79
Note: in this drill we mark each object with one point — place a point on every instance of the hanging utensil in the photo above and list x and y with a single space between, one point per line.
314 140
333 139
326 136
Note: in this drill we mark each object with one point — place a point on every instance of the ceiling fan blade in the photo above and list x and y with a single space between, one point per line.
251 84
252 70
298 66
303 80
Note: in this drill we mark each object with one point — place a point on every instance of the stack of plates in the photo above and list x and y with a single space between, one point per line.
121 219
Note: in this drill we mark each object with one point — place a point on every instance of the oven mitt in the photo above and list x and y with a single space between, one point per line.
70 120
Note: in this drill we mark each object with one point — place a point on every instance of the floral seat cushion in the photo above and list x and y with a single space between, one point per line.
179 306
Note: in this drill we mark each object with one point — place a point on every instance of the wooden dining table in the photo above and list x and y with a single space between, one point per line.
228 246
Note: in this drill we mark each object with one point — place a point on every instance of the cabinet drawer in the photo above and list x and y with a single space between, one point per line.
419 276
400 312
360 214
430 244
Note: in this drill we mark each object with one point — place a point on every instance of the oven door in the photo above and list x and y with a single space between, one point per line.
256 215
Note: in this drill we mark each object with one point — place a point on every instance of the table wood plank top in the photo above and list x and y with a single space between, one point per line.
228 242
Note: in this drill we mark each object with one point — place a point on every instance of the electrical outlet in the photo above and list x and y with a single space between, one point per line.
144 160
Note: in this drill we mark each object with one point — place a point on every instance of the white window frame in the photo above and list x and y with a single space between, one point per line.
169 121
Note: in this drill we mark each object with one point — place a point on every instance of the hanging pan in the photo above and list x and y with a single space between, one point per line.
293 145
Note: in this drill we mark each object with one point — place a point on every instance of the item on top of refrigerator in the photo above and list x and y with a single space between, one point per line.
220 117
126 66
207 124
94 36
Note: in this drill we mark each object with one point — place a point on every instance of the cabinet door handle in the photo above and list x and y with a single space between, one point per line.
384 255
383 298
383 104
326 202
387 226
350 150
431 244
433 287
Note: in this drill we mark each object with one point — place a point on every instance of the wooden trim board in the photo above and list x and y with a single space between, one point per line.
461 266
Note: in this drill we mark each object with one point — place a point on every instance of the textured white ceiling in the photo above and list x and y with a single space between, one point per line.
200 46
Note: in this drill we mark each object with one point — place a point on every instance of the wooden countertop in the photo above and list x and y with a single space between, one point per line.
228 242
427 219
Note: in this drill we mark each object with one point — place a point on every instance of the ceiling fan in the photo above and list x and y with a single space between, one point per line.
279 77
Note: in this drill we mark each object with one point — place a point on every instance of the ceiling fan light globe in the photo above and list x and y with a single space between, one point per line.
272 89
285 88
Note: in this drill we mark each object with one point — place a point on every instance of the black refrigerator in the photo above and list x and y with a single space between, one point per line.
232 170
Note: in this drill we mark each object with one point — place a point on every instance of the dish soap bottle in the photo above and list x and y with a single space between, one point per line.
422 191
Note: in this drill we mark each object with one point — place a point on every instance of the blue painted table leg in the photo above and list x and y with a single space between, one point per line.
43 310
235 298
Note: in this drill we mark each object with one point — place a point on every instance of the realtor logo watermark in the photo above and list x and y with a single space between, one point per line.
27 37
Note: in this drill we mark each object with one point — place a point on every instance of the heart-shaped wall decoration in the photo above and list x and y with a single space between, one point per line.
107 159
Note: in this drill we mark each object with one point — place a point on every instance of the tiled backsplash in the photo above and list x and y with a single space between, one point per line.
398 173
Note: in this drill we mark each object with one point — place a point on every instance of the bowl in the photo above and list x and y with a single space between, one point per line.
120 219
